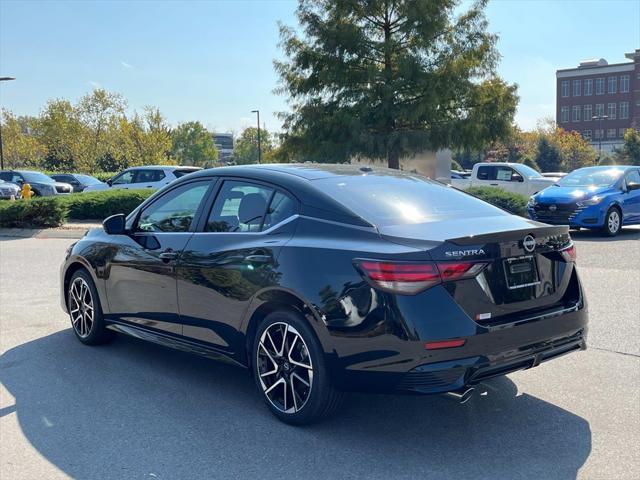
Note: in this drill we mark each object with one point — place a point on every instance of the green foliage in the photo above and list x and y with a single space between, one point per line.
104 176
606 159
100 205
629 154
388 78
37 212
548 156
455 165
530 162
512 202
194 145
245 150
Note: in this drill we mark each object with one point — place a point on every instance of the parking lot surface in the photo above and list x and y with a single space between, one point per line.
136 410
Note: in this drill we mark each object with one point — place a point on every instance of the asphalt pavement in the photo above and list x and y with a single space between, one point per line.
132 410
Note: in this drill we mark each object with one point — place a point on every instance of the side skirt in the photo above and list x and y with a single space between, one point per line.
172 342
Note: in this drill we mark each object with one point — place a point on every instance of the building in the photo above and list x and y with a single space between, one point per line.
600 100
224 143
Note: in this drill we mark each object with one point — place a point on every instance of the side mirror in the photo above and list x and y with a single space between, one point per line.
115 224
633 186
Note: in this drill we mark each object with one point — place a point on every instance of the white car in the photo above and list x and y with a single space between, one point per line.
153 177
513 177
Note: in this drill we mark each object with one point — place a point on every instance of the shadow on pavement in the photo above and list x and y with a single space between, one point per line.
136 410
627 233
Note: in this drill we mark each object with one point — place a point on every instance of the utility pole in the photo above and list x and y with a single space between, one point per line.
600 118
2 79
259 146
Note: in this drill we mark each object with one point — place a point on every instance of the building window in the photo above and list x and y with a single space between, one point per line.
621 132
599 133
599 86
576 88
611 111
599 109
565 88
575 114
611 133
587 134
564 114
588 87
624 84
624 110
613 81
586 113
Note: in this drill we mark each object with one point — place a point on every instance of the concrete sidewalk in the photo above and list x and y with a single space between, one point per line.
72 229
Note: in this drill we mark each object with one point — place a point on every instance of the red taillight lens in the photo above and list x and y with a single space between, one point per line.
569 253
411 278
444 344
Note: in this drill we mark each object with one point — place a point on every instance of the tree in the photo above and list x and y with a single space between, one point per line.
193 145
548 157
20 146
575 150
630 151
388 78
245 150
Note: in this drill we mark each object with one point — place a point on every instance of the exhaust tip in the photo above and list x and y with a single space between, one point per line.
463 395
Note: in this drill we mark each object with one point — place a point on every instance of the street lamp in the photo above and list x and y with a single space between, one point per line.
259 147
600 118
2 79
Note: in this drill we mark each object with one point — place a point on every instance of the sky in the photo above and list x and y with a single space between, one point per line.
212 61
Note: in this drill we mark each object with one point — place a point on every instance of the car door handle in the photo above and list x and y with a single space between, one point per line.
168 255
258 258
494 184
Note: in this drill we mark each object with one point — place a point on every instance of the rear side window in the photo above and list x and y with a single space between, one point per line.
391 199
487 173
281 207
239 207
178 172
149 176
174 211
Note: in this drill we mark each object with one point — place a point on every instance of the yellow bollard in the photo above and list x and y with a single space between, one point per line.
27 193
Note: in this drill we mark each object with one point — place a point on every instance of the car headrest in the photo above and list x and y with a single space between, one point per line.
252 207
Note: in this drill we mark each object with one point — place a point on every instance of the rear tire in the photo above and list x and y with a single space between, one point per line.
85 310
612 222
290 372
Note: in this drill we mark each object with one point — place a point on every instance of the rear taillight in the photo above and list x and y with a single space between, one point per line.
410 278
569 253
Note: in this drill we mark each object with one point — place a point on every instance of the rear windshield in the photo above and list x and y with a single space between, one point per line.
385 200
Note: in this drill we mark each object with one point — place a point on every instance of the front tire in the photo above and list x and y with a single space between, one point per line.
612 222
85 310
290 371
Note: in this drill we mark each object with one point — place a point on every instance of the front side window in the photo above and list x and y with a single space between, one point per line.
624 84
632 177
587 114
624 110
612 83
239 207
124 178
576 88
506 174
588 87
564 114
612 111
565 88
175 210
599 86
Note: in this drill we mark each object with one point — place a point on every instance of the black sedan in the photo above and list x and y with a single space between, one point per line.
78 181
325 279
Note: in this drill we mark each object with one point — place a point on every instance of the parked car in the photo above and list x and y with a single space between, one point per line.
8 190
326 278
78 181
41 184
513 177
154 177
602 197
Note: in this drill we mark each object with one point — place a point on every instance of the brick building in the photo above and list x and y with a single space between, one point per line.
600 100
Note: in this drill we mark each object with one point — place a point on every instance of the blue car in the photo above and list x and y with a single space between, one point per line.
605 197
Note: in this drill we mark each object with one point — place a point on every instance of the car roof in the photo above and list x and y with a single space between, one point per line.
163 167
608 167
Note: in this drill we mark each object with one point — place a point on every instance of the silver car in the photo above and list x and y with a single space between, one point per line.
9 190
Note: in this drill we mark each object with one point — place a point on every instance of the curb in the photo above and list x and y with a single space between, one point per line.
71 233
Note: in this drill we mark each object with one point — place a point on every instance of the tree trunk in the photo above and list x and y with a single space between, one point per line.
393 158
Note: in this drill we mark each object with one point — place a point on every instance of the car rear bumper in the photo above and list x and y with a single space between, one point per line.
493 352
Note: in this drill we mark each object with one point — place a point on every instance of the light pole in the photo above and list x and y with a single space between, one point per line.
600 118
257 112
2 79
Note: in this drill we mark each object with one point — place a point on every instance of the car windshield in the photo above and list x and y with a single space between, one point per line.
591 177
529 172
385 200
88 179
36 177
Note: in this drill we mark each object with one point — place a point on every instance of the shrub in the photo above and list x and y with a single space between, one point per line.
512 202
100 205
104 176
38 212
